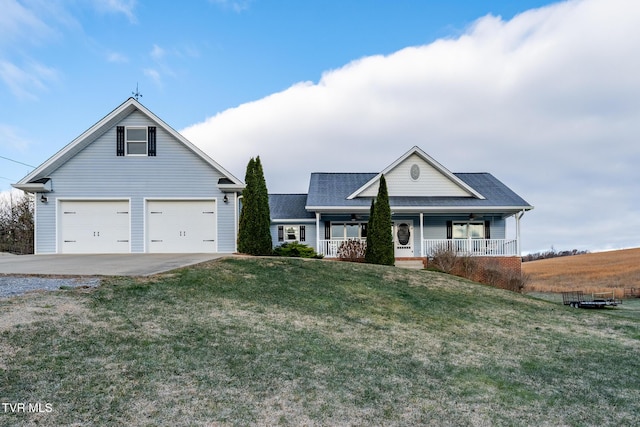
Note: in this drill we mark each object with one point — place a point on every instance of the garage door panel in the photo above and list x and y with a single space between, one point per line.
181 226
94 227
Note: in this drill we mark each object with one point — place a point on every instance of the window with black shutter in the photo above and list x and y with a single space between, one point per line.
280 233
487 229
303 233
136 141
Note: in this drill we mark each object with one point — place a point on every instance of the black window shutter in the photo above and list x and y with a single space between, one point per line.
449 229
152 141
327 230
487 229
280 233
303 233
120 141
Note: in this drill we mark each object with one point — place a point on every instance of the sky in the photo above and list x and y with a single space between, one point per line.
543 95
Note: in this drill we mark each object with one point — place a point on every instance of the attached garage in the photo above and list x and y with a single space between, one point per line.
94 226
181 226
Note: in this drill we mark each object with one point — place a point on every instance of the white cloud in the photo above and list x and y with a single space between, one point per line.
11 138
235 5
20 23
548 102
116 57
26 81
154 75
125 7
157 52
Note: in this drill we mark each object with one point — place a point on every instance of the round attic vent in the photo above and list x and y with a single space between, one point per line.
415 172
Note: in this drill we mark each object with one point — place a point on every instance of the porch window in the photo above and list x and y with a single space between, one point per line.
468 230
348 230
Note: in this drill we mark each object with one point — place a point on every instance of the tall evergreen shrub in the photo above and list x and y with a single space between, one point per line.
379 231
370 252
254 237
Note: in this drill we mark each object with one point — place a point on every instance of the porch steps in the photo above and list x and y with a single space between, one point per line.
410 264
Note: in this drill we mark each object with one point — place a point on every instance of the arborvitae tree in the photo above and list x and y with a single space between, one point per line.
381 231
264 245
254 237
384 224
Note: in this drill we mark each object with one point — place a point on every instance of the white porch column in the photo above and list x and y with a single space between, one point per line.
517 217
318 232
421 234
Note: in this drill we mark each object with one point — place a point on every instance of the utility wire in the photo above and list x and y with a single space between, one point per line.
15 161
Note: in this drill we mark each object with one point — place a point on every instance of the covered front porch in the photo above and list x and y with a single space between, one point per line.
424 234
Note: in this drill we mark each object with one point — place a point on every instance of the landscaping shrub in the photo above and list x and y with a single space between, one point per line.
490 272
352 250
295 250
443 259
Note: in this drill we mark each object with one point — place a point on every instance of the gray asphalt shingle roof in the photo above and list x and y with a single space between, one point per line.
332 190
289 206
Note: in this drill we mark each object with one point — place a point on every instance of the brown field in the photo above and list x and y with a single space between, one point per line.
595 272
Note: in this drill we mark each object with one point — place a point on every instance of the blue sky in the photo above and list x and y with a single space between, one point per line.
544 95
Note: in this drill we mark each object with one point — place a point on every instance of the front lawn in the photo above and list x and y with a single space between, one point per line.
272 341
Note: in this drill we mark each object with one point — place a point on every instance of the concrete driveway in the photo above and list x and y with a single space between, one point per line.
99 265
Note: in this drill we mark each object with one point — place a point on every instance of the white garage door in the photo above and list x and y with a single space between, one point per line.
178 226
96 227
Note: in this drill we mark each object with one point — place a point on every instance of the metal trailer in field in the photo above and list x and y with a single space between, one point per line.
577 299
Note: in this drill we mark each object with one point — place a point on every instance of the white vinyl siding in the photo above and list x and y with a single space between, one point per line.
430 182
96 172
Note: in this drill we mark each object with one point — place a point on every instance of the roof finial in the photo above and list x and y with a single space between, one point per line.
137 93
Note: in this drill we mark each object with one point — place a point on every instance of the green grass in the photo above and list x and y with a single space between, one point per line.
294 342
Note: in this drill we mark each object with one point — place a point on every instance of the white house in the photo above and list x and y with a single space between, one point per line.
132 184
431 208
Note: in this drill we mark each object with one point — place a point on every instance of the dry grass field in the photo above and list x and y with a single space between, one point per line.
595 272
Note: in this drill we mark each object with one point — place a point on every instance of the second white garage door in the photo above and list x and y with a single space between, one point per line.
179 226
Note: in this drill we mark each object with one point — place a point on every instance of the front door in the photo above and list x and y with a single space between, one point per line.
403 239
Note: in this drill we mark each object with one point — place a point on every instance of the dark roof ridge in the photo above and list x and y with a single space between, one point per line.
345 173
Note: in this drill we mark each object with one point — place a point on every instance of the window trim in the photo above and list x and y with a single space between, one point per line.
146 141
300 233
467 223
362 226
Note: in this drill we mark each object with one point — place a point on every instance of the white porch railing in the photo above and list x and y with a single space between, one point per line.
472 247
329 248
